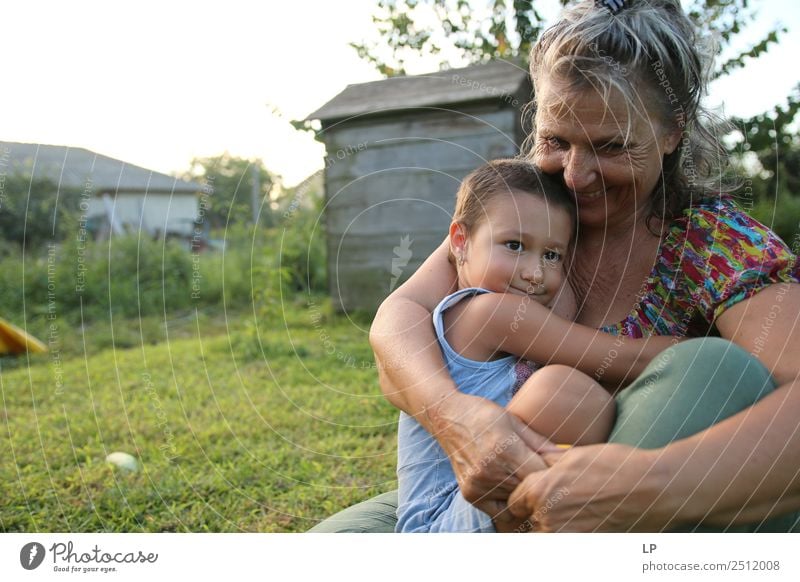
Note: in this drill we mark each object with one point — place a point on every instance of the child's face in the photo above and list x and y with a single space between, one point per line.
518 247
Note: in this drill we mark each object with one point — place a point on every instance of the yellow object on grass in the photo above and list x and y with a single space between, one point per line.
13 340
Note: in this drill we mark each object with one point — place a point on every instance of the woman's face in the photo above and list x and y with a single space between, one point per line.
609 154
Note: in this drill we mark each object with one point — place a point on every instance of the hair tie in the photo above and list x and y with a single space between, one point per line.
614 6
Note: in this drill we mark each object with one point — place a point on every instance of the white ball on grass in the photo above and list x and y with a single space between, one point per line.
123 461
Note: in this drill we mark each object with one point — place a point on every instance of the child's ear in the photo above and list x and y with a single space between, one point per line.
458 238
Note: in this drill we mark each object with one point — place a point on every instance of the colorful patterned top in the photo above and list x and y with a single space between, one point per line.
711 258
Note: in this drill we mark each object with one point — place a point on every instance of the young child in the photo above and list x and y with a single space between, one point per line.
509 238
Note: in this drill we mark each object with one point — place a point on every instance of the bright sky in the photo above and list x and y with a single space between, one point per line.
158 83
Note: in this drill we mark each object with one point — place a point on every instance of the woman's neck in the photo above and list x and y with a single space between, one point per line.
623 233
609 269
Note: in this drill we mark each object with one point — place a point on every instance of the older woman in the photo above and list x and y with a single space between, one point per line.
707 436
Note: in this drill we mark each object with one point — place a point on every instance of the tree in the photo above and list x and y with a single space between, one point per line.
770 138
457 28
769 147
35 211
229 185
477 31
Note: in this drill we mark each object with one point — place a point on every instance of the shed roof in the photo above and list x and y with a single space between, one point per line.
492 81
76 167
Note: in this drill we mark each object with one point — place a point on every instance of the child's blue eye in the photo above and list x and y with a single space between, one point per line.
514 245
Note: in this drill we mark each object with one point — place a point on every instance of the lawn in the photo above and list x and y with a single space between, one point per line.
236 427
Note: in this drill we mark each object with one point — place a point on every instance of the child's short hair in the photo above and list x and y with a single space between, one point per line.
505 176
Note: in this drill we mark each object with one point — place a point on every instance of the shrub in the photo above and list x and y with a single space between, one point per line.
33 211
783 218
136 276
288 269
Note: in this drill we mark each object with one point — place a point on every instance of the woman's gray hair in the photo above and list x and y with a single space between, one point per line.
651 53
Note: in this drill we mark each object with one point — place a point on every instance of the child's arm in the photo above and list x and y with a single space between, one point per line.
520 326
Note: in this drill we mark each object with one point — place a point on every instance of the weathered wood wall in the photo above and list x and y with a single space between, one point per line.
390 187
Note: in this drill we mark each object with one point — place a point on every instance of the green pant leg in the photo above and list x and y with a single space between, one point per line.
375 515
688 388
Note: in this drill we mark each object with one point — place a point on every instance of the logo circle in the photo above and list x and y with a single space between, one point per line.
31 555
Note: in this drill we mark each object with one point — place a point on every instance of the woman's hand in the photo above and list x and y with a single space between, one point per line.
491 450
607 487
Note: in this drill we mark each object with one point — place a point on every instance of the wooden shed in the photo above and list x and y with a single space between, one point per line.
397 150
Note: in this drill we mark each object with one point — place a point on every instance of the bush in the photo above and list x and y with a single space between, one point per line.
290 271
783 218
126 277
136 276
33 211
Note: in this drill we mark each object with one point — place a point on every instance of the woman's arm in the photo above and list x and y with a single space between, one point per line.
741 470
519 325
414 378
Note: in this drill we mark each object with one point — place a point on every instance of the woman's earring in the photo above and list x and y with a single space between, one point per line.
460 259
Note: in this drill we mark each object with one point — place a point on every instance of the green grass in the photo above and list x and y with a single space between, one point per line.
232 434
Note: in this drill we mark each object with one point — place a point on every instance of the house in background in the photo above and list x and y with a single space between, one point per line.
121 197
396 152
